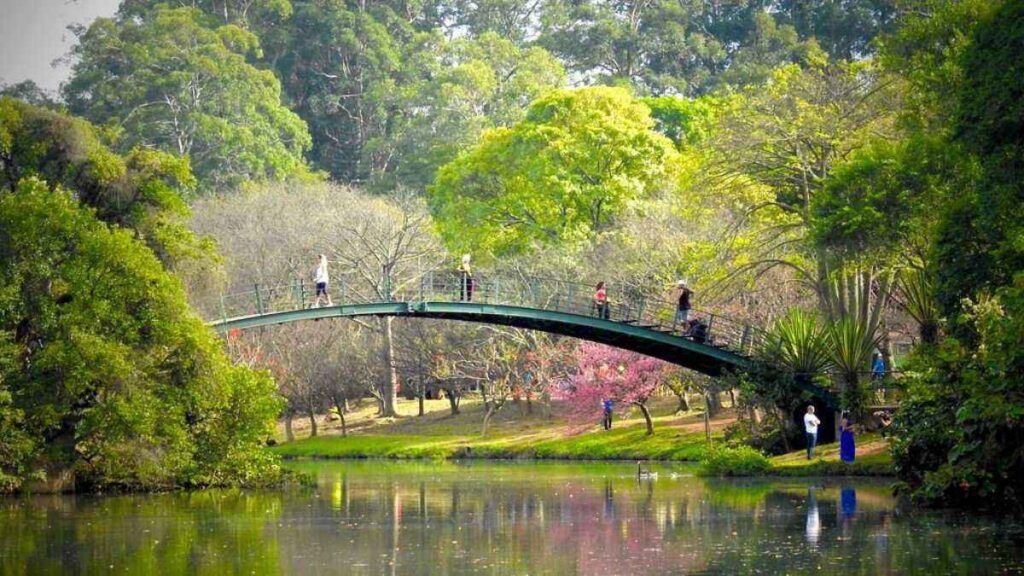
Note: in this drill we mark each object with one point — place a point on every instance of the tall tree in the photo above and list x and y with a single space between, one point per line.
174 83
578 160
141 190
119 384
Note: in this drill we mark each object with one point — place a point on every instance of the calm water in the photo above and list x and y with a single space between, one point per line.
515 518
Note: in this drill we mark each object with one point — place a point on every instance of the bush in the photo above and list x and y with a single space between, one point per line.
742 461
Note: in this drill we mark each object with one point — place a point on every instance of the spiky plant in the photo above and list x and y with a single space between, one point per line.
798 342
854 305
916 295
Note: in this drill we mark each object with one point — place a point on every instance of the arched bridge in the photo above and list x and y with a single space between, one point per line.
630 321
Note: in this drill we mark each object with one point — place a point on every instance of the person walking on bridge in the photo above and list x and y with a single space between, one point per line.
465 279
683 307
600 305
321 278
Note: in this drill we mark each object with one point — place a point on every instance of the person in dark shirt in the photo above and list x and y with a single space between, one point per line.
683 308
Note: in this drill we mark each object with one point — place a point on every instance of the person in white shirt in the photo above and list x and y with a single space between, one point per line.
321 278
811 424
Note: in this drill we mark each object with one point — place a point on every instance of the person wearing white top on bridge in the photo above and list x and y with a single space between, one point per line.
322 278
811 424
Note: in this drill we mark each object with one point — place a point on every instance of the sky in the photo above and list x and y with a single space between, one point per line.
33 33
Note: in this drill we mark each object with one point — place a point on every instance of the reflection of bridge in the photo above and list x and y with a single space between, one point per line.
632 322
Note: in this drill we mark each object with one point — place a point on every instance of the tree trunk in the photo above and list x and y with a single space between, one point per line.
647 417
312 424
487 418
420 397
453 402
683 405
714 404
341 415
289 434
732 398
389 392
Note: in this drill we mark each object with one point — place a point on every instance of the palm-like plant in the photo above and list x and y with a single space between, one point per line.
854 304
917 297
798 342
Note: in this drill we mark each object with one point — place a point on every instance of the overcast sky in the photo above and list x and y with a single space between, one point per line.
33 33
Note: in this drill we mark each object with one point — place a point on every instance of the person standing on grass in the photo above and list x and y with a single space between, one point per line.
321 278
608 407
811 424
847 449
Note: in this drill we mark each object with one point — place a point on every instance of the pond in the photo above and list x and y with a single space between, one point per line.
375 517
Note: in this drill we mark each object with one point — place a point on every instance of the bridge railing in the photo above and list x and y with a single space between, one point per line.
497 288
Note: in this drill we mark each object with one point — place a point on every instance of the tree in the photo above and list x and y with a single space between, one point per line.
141 190
467 85
663 46
119 384
340 64
172 82
627 378
789 135
578 160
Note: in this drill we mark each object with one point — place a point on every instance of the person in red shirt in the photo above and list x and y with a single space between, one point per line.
601 301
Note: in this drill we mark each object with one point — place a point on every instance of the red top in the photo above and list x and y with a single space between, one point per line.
601 295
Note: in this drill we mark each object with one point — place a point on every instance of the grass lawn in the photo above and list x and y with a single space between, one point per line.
543 433
514 433
873 459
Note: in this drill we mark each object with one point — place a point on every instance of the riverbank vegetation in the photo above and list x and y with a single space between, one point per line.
846 178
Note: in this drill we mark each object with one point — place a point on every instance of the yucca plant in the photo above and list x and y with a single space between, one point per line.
916 295
798 342
854 304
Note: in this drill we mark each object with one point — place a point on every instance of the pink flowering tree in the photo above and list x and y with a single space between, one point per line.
627 378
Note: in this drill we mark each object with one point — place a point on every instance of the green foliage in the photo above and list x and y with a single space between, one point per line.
960 440
740 461
460 88
173 82
108 373
884 204
579 160
691 47
141 190
799 342
686 122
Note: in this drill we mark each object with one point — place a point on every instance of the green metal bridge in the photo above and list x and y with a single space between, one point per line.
630 321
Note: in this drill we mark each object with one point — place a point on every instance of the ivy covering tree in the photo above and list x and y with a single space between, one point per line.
172 82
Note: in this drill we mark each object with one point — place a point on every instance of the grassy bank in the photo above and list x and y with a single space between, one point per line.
515 433
542 433
873 459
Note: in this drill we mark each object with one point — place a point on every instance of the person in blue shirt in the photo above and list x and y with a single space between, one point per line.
878 368
606 422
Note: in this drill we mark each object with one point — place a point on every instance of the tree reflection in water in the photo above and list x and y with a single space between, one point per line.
446 518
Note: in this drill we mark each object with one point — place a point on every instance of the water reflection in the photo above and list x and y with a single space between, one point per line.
412 518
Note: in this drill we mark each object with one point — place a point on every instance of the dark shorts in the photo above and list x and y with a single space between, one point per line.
321 288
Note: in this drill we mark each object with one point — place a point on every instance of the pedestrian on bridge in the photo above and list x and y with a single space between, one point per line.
465 279
600 305
321 278
683 307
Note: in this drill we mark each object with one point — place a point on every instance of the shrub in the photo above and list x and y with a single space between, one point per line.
741 461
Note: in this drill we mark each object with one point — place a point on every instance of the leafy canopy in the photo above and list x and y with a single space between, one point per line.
171 82
104 370
580 159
